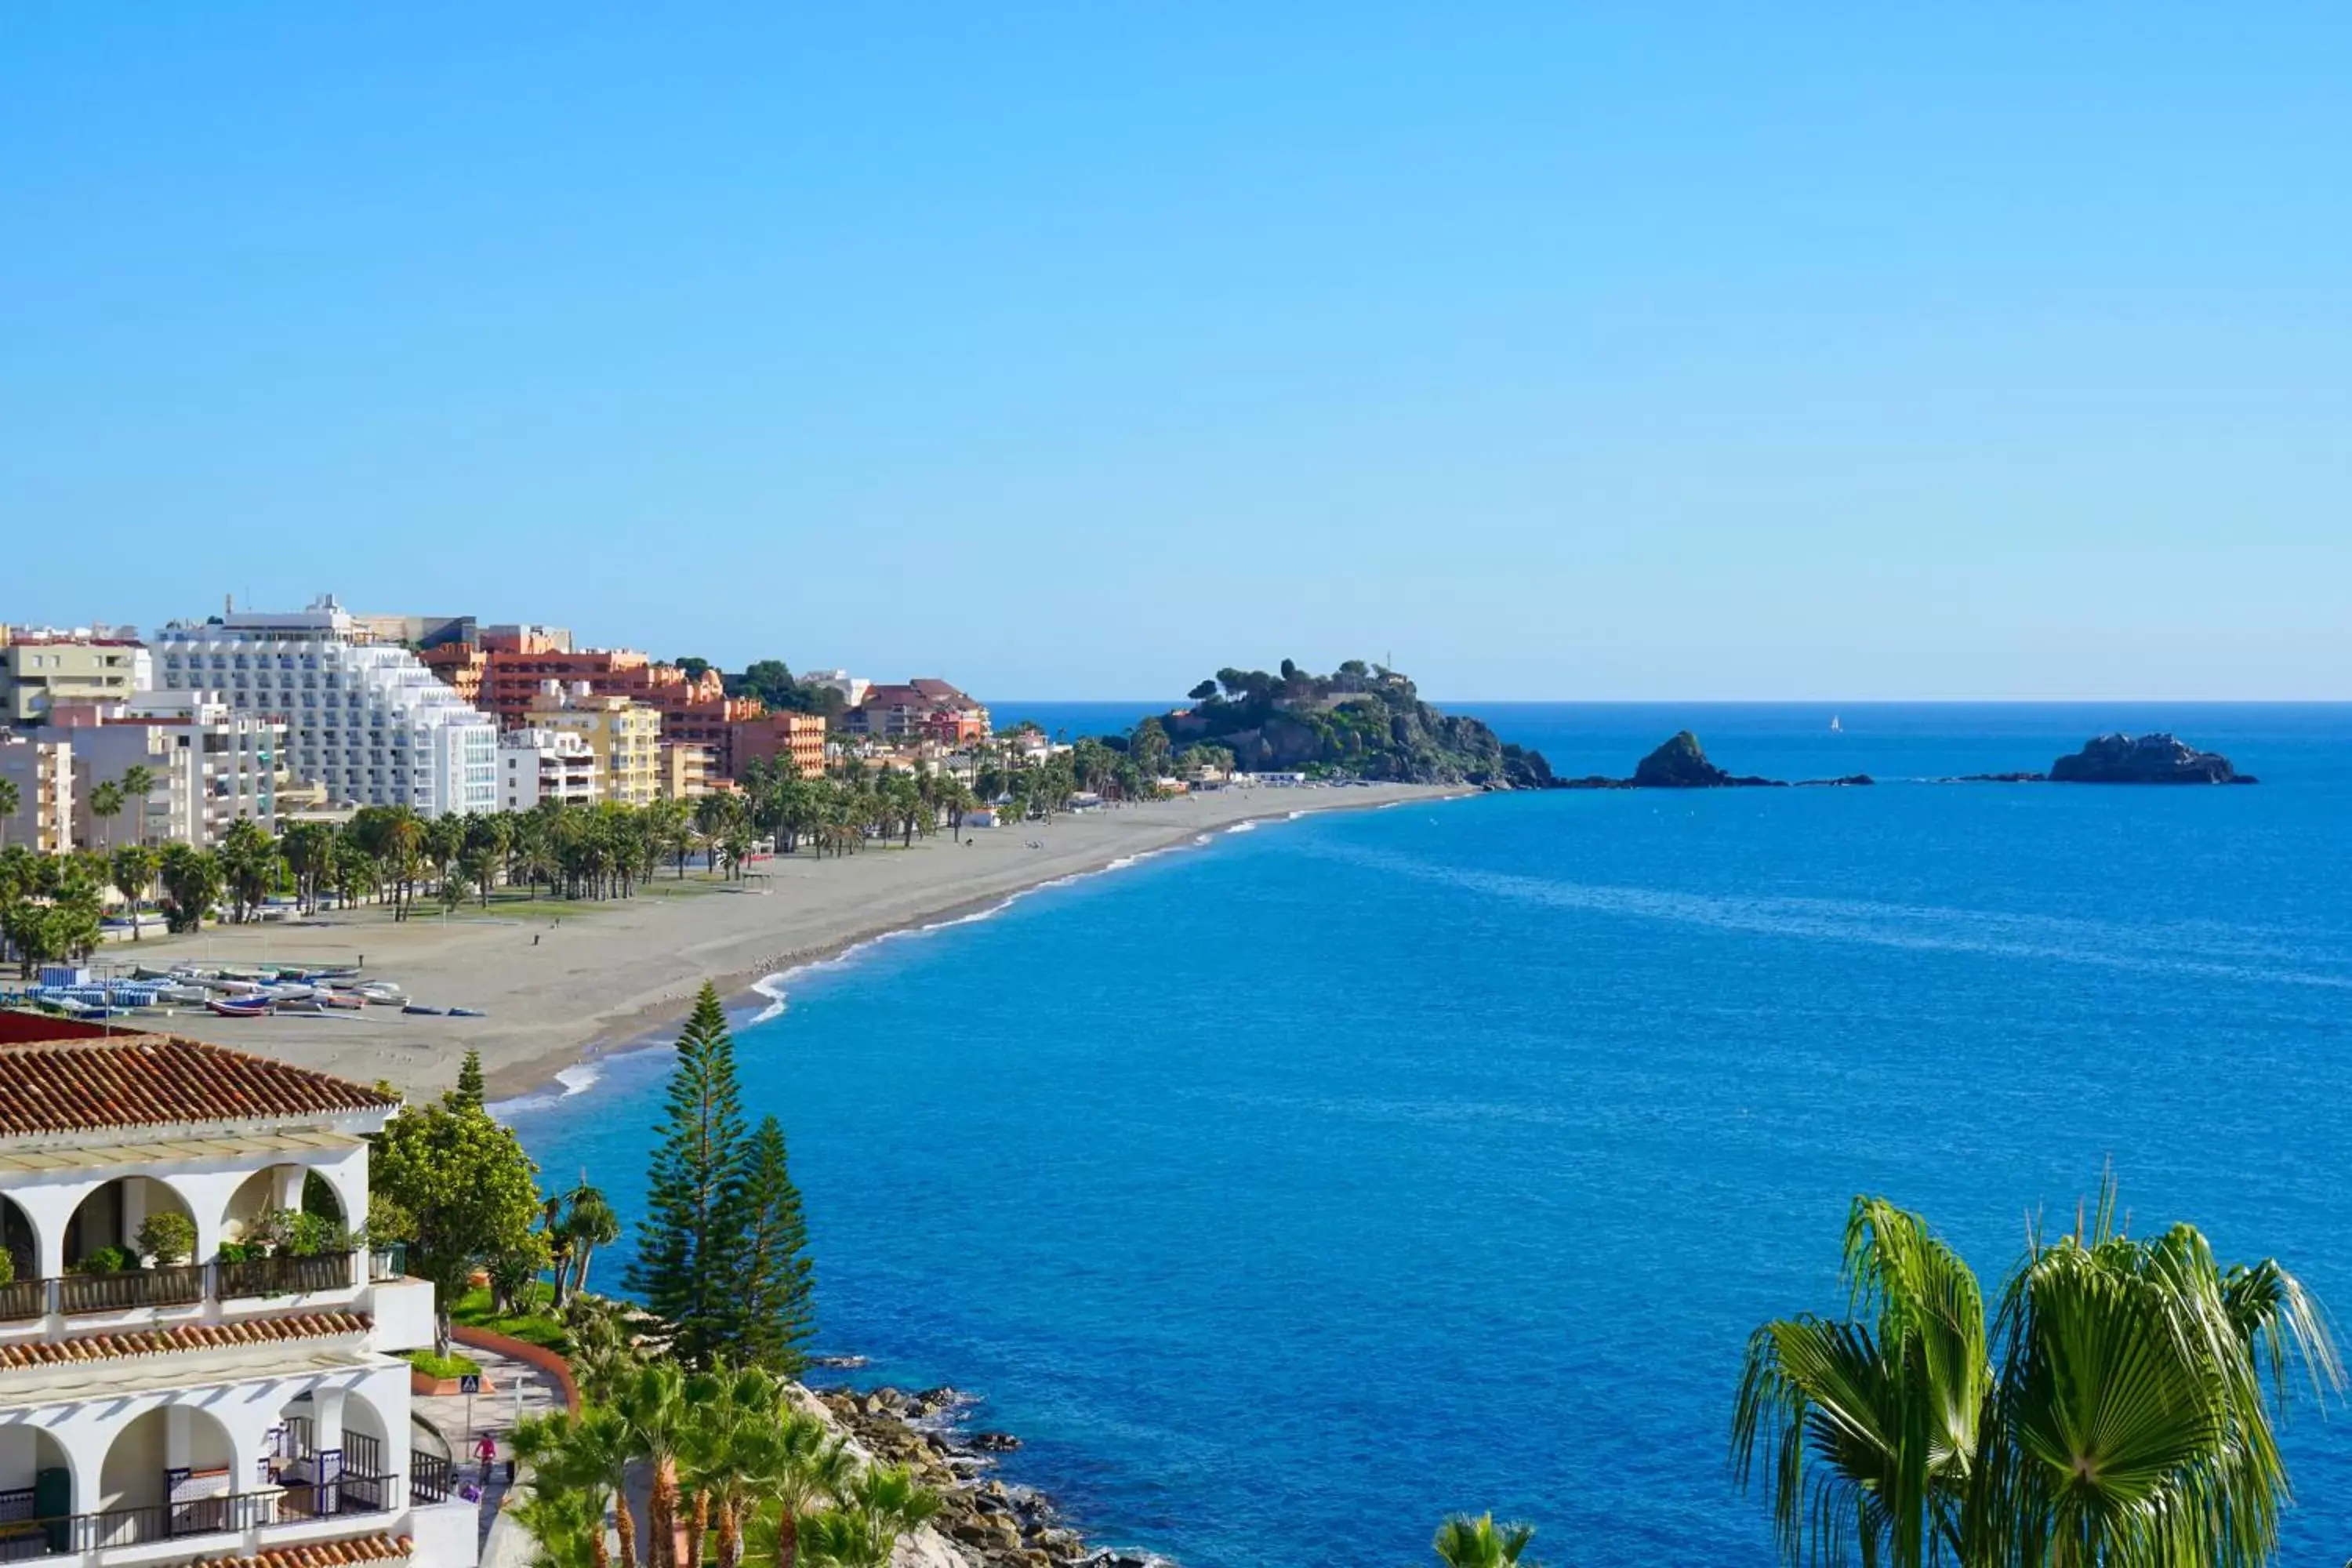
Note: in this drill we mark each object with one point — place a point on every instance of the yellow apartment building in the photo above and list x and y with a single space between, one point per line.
625 737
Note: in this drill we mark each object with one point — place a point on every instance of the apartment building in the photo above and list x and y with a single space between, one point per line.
930 708
506 669
624 737
42 773
208 765
537 765
195 1408
681 771
794 738
367 720
41 665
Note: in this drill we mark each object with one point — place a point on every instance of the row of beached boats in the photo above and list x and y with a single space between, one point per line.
235 993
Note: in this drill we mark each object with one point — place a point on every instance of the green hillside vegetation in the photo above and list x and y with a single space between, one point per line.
1359 722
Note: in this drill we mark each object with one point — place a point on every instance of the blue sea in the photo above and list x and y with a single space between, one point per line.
1288 1193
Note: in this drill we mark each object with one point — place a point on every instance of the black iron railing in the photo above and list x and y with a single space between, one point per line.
24 1539
430 1477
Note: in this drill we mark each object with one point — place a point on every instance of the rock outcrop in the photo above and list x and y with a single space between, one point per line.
2145 759
1681 763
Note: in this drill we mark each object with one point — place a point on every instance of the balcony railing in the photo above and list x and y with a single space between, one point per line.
185 1285
283 1276
26 1539
178 1286
431 1477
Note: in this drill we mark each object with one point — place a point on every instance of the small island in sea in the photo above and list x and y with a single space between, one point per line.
1681 763
2153 758
1361 720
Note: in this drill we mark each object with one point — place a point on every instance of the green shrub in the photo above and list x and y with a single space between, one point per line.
108 1260
312 1234
237 1252
7 1267
432 1365
168 1237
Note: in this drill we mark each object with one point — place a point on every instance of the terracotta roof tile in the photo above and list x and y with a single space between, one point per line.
322 1553
151 1080
184 1337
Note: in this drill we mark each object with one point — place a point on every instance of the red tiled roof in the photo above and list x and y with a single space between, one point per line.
186 1337
322 1553
66 1085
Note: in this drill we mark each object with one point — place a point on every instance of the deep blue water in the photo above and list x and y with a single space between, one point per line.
1289 1193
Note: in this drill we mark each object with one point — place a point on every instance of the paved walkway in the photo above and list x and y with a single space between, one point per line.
517 1390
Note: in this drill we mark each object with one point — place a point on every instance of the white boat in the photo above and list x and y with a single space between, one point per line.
1836 728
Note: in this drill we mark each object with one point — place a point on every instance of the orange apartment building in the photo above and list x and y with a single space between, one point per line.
502 674
798 737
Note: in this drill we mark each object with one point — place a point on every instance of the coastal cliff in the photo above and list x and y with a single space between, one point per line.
1359 722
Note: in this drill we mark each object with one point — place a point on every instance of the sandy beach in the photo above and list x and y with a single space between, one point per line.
558 989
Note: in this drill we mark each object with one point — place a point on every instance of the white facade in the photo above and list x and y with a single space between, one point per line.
211 764
209 1409
43 772
368 721
852 688
544 764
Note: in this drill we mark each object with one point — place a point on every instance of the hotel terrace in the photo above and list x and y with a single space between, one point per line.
205 1410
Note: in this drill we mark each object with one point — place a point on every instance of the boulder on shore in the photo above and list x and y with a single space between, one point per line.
2155 758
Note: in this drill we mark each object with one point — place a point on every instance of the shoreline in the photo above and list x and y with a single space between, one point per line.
630 969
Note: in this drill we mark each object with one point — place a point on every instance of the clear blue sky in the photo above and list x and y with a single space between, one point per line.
1565 350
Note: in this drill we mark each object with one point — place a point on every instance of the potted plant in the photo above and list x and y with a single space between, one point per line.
169 1237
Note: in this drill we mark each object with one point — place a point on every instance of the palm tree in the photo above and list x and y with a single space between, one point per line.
588 1222
133 869
882 1504
2124 1422
138 784
1466 1543
586 1456
652 1403
105 805
803 1466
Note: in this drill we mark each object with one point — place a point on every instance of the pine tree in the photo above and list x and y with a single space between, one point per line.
773 1315
469 1091
685 1268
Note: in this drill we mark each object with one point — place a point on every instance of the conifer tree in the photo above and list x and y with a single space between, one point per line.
469 1091
774 1317
685 1269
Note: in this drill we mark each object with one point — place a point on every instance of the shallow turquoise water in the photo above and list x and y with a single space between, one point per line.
1288 1192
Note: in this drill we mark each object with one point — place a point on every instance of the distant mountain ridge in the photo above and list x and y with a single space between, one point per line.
1361 720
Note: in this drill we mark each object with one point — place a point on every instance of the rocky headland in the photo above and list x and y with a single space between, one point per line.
1681 763
983 1521
2155 758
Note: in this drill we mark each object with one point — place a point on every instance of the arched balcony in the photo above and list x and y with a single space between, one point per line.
128 1244
168 1473
37 1494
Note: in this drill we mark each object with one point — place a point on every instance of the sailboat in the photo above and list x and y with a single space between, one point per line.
1836 728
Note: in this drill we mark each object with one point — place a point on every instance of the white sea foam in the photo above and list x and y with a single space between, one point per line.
1250 827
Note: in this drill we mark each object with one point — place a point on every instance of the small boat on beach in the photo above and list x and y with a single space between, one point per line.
464 1012
238 1009
423 1011
341 999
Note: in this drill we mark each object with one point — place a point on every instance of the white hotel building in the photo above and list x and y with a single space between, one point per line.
366 720
211 1412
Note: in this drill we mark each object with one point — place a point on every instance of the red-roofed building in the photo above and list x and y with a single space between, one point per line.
923 707
192 1391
